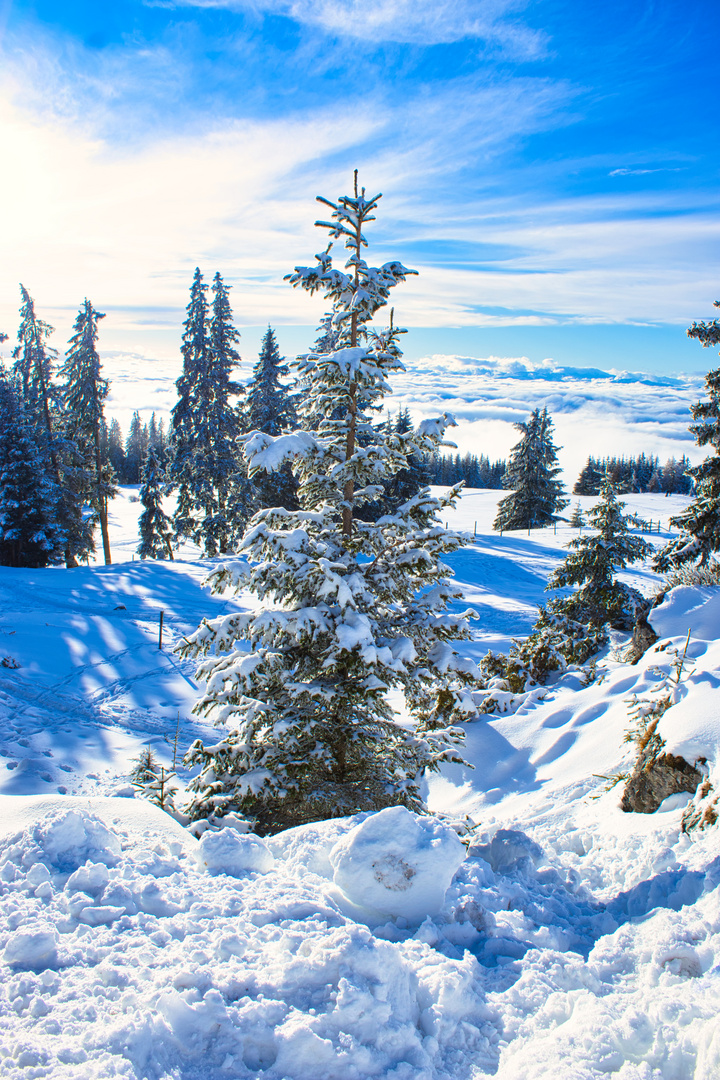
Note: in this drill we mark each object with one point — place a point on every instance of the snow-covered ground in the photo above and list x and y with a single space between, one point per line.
573 940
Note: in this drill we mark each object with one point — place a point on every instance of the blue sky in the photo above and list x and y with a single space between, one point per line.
550 168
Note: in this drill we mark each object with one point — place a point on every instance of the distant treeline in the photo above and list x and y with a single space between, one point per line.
640 473
476 471
127 455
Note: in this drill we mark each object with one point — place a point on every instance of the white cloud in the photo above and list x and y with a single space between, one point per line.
407 21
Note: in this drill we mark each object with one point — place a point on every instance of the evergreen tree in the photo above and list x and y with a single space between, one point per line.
155 525
59 456
30 534
84 394
116 451
269 409
33 363
532 473
351 610
577 520
136 446
589 480
212 494
592 564
699 523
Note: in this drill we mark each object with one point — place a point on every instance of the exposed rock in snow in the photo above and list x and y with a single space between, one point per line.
655 776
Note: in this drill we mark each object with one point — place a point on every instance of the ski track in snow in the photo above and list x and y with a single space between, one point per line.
574 941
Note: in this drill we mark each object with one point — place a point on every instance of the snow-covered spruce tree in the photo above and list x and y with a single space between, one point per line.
350 610
155 525
83 396
59 457
699 523
577 519
206 468
270 409
592 564
532 472
30 535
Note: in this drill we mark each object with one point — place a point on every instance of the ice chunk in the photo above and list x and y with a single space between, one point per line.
397 863
234 853
90 878
97 916
34 949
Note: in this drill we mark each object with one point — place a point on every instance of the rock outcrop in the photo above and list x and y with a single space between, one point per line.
655 776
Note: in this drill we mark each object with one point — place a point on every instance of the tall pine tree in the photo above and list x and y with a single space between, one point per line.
206 469
30 534
84 393
532 472
699 523
270 410
351 610
58 454
155 525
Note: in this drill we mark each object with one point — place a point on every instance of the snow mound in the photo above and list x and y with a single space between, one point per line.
308 847
691 728
233 853
688 607
397 863
72 839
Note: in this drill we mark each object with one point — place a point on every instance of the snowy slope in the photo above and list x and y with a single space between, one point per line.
573 940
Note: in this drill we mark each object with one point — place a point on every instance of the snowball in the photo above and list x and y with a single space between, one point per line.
397 863
234 853
34 949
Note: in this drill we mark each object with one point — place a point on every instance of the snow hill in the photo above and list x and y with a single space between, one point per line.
569 940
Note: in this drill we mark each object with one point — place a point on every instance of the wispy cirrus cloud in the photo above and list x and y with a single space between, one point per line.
643 172
420 22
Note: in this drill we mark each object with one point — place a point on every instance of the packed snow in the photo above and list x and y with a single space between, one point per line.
562 938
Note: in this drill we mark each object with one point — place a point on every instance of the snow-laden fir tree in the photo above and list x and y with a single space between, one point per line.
532 472
155 526
30 534
83 395
592 564
350 610
206 468
577 519
699 523
269 408
59 459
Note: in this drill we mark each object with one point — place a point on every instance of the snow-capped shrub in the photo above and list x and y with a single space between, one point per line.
556 644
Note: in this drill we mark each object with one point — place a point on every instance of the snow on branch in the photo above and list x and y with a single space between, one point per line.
269 453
